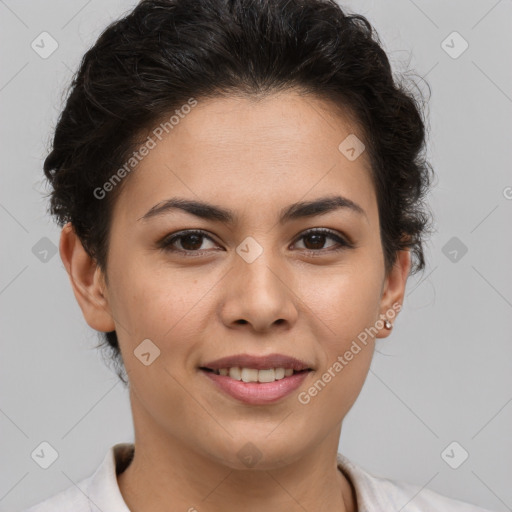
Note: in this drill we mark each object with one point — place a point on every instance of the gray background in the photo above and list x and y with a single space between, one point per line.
444 375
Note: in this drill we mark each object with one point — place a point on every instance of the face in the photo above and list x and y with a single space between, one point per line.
305 286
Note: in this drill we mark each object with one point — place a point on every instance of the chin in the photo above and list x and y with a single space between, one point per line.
257 450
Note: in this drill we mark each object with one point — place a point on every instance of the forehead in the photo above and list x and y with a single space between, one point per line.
240 151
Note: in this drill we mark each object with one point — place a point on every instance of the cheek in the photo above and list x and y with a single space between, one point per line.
165 306
346 307
156 302
344 301
335 388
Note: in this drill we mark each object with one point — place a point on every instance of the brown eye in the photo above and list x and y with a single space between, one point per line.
314 240
190 242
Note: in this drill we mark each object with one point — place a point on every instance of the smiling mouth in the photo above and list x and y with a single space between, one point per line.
255 375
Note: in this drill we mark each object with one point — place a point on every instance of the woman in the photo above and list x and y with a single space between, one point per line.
241 187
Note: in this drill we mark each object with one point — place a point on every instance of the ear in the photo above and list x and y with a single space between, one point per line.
87 281
393 290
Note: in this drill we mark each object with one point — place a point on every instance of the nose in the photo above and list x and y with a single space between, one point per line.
259 295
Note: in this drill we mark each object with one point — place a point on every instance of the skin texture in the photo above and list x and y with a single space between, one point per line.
255 158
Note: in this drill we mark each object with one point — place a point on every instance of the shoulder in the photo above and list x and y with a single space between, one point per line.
98 491
377 493
68 499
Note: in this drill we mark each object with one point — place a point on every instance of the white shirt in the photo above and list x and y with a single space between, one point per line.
373 494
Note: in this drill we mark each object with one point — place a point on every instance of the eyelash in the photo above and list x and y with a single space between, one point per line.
166 243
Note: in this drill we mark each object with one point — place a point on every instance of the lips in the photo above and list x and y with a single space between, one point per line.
258 362
257 380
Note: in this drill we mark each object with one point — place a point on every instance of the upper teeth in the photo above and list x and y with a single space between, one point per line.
253 375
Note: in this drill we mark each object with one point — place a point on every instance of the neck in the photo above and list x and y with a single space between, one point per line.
165 471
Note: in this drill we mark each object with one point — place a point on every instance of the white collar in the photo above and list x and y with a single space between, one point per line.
373 494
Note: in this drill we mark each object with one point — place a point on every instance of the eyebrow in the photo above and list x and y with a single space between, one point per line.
216 213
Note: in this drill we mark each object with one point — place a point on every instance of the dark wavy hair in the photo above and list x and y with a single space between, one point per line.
153 60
